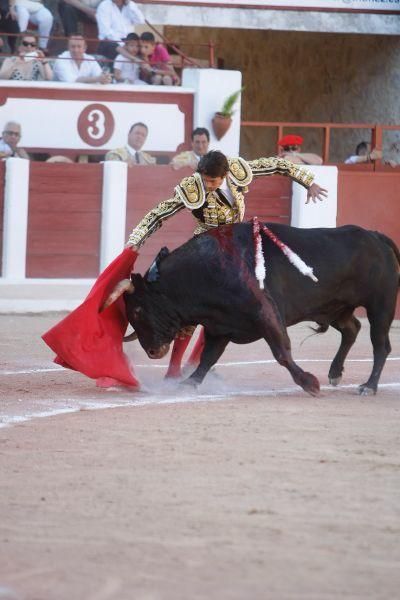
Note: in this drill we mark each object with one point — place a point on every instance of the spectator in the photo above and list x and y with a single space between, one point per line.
30 64
290 148
392 157
126 67
132 152
35 12
59 158
157 68
190 158
74 65
363 154
9 141
115 19
9 23
73 12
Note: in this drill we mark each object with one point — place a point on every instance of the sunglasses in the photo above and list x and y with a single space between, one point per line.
26 44
11 133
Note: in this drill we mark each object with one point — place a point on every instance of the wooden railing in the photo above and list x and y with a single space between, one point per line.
376 132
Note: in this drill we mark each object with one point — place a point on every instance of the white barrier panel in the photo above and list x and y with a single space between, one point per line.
16 193
113 217
320 214
212 87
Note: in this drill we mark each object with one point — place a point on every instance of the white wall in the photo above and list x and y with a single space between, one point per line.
319 214
211 88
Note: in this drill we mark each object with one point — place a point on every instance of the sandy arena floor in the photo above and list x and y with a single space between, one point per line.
246 489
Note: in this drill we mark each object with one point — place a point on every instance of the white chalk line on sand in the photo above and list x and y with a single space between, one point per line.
159 399
240 363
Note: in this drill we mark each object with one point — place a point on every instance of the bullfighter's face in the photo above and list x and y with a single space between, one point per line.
212 183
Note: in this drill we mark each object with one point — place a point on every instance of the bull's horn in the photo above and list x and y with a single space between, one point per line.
125 285
131 337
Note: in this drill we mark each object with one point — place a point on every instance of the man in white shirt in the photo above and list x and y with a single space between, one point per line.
115 19
74 65
132 153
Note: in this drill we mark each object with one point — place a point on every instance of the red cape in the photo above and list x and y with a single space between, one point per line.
91 342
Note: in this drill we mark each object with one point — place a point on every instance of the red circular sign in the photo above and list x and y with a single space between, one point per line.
96 124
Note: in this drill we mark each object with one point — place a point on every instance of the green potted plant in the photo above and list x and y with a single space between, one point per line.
222 119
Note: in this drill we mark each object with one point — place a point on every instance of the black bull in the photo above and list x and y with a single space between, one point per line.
210 281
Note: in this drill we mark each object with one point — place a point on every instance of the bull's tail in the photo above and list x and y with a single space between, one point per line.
316 330
389 242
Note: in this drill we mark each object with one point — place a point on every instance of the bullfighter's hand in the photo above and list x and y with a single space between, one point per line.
315 192
132 247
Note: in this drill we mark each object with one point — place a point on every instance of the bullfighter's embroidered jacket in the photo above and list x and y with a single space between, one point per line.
212 209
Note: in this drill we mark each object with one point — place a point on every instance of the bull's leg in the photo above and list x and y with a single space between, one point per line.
379 332
195 355
175 362
349 330
276 336
213 349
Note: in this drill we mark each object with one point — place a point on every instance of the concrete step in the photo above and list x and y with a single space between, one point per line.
42 295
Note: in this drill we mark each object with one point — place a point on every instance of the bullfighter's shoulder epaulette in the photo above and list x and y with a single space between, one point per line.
191 191
239 171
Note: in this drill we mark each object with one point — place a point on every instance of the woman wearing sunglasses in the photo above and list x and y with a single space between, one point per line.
29 64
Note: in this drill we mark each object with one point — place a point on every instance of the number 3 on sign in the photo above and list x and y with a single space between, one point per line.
96 124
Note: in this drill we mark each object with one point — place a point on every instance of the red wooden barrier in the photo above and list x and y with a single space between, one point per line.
64 220
371 200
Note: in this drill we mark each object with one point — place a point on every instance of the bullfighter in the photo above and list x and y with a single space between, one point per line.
215 195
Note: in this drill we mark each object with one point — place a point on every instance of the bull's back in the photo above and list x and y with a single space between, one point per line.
354 267
351 264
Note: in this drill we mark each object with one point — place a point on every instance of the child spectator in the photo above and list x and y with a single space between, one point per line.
30 64
157 67
127 65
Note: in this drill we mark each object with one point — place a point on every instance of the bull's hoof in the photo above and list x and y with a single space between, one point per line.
189 382
310 384
172 376
335 380
365 390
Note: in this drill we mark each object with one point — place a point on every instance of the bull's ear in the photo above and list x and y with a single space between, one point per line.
153 273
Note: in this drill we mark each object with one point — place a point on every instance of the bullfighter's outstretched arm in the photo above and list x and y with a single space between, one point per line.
280 166
153 220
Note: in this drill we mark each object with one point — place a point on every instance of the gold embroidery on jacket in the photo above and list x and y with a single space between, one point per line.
239 172
270 166
191 191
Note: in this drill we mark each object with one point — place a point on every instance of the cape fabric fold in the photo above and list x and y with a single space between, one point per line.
90 341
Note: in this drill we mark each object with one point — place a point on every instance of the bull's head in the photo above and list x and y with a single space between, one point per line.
147 312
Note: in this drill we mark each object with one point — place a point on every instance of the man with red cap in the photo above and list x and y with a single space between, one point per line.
290 148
